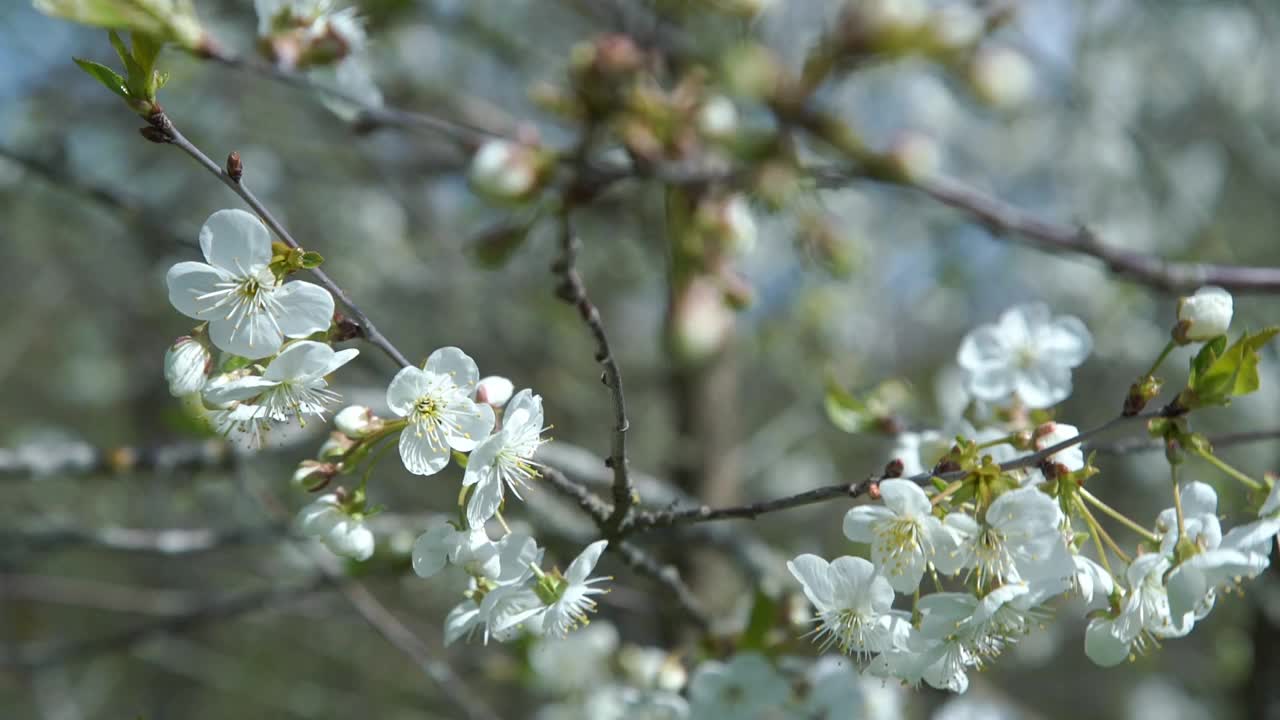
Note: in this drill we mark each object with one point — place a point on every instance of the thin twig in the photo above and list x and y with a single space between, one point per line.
404 639
1127 446
667 575
1018 224
572 291
170 134
467 135
644 521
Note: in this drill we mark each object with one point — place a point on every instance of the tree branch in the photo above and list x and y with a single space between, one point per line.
644 521
1140 444
169 133
1022 226
572 291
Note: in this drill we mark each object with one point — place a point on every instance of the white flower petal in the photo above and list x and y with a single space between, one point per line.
457 365
990 383
188 281
485 499
982 348
586 561
859 522
1068 342
1043 385
1101 644
303 308
235 240
256 337
406 387
460 621
905 497
473 421
813 574
420 455
431 550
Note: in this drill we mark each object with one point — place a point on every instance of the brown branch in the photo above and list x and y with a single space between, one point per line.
1140 444
467 135
404 640
1023 226
167 132
644 521
572 291
1005 219
636 558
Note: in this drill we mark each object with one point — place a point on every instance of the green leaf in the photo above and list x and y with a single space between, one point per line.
1247 380
311 260
1203 359
109 78
136 75
844 410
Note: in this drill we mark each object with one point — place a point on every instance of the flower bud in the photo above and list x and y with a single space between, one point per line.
915 156
186 366
718 118
728 223
1069 459
494 390
507 170
356 421
1203 316
1141 393
1001 76
701 322
335 447
351 539
313 475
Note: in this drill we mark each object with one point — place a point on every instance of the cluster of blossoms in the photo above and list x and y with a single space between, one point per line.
999 537
591 675
327 42
274 370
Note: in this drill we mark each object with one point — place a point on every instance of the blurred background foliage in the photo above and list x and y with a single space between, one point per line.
1152 122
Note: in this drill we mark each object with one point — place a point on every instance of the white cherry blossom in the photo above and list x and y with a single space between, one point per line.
852 602
437 402
570 600
1020 539
250 312
472 550
901 532
293 384
1027 353
504 460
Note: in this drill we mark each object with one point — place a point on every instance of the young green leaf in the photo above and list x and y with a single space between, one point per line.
109 78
